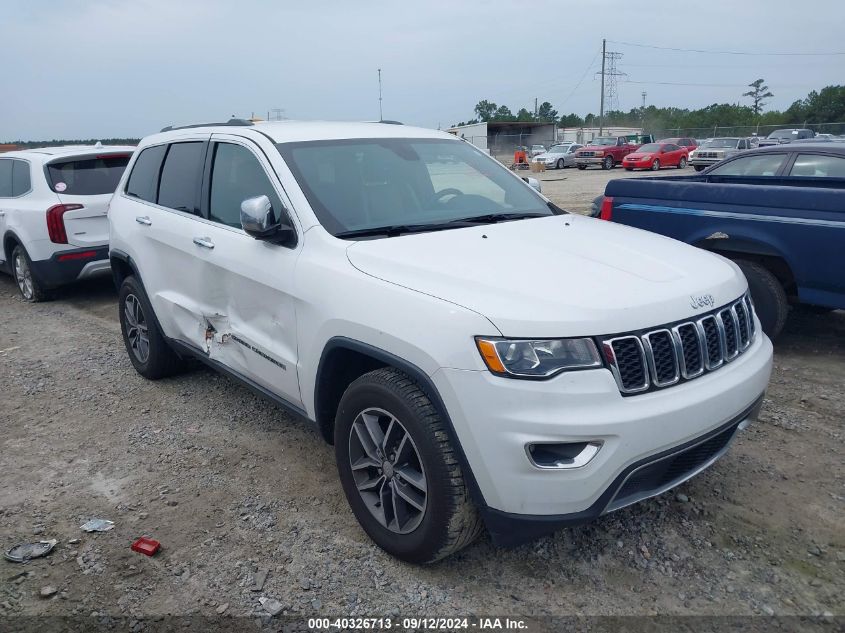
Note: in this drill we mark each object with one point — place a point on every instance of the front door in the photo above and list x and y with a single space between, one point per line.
249 283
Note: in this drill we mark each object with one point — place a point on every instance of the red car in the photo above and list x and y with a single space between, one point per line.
684 141
656 155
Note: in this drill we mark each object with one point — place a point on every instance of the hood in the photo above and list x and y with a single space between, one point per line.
564 275
637 155
595 148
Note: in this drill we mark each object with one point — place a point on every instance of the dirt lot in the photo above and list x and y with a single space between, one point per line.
234 488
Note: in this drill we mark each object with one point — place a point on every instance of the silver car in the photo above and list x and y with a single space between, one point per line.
559 156
716 150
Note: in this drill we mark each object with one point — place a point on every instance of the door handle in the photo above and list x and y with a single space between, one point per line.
205 242
142 219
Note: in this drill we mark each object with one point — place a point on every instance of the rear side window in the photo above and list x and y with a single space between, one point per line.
143 181
236 176
6 178
87 177
810 166
180 176
759 165
21 182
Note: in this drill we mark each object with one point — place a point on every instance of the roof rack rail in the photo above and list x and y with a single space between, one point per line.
389 122
230 122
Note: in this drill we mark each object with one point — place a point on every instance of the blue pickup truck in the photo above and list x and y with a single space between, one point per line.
778 212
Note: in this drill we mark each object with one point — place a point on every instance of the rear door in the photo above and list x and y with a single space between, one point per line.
165 184
87 183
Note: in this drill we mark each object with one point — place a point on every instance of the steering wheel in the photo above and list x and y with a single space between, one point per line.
451 191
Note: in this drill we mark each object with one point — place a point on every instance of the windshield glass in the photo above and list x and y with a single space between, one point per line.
722 142
359 184
651 147
783 134
559 149
603 141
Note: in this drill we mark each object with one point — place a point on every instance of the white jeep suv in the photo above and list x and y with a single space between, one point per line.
476 355
53 206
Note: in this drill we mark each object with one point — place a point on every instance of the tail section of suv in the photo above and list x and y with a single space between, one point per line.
53 214
391 284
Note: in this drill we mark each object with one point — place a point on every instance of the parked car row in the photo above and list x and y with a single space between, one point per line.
777 211
391 285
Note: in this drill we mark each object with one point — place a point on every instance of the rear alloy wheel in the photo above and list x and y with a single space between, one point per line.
682 164
148 350
399 470
655 165
29 286
607 163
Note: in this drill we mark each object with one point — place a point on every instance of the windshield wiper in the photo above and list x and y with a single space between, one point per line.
492 218
398 229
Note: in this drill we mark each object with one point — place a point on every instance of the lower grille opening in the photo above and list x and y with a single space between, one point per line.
653 478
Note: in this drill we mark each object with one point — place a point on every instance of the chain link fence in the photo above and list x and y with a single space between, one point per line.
762 131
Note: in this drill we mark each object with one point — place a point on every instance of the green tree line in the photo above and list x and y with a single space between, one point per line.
824 106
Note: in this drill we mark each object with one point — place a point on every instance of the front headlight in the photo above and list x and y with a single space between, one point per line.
599 153
537 359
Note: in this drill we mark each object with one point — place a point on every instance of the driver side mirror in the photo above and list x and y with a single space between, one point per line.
258 220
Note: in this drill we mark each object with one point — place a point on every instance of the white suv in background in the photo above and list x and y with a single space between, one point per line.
476 355
53 206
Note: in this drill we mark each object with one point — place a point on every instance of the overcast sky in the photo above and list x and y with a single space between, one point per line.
106 68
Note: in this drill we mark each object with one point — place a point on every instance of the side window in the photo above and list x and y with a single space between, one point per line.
21 182
671 147
810 166
180 176
758 165
143 181
237 175
6 178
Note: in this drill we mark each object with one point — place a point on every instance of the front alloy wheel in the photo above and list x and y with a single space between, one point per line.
388 471
655 165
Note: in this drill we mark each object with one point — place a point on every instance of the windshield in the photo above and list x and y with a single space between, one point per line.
783 134
559 149
651 147
360 184
603 141
722 142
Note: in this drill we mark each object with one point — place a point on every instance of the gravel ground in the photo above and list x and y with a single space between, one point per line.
239 493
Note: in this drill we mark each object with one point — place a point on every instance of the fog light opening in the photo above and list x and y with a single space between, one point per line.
562 455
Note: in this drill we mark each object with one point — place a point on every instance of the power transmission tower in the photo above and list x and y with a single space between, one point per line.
609 74
278 114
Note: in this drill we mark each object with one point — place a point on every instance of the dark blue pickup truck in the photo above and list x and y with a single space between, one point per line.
778 212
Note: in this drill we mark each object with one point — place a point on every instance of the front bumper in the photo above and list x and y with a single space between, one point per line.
705 161
589 160
495 418
68 266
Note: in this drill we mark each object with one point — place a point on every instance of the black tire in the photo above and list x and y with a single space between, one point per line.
560 163
607 163
160 360
629 169
582 167
682 164
699 167
769 297
29 286
655 166
450 520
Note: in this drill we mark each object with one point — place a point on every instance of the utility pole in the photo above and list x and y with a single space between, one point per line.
535 107
601 108
380 115
642 113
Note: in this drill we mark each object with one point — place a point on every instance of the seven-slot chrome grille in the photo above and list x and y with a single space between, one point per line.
666 356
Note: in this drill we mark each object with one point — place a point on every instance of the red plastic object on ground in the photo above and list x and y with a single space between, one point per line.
146 546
